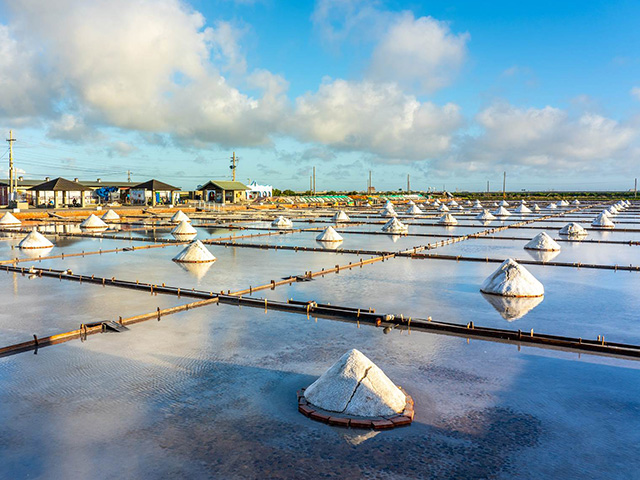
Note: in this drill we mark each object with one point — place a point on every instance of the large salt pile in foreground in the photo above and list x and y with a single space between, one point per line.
180 216
195 252
542 241
512 280
341 216
8 219
282 222
93 222
35 240
354 385
329 235
395 226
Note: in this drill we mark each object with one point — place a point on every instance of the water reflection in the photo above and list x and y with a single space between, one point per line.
36 252
198 270
512 308
330 245
543 255
184 237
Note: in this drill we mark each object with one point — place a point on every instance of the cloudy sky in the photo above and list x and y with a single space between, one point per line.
452 93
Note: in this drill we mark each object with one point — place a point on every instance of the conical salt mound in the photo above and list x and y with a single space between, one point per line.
395 226
110 215
502 212
9 219
414 210
477 204
503 203
522 208
602 221
35 240
563 203
443 208
536 208
573 230
195 252
436 203
388 204
612 210
329 235
354 385
542 241
447 219
485 215
411 202
388 212
453 203
184 228
552 206
576 202
282 222
341 216
93 222
179 216
512 280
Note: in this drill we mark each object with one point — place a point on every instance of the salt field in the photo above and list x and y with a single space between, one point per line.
209 389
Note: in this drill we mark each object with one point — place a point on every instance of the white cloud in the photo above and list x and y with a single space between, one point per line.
635 91
375 118
72 128
419 53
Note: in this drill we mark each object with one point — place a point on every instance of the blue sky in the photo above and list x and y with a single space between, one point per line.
451 93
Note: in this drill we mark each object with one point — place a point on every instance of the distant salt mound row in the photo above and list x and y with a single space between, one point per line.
354 385
329 235
447 219
512 280
414 210
485 215
282 222
35 240
184 228
502 212
8 220
542 241
179 216
195 252
110 215
93 222
341 216
602 221
395 226
522 208
573 230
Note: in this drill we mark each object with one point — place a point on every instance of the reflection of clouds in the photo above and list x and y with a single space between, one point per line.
330 245
543 255
512 308
198 270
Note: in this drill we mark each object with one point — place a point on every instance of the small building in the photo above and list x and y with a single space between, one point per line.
256 191
60 192
221 191
22 185
154 192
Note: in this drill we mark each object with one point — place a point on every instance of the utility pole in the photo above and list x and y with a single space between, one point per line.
635 188
370 189
310 183
234 164
11 172
504 185
408 184
487 186
314 180
128 176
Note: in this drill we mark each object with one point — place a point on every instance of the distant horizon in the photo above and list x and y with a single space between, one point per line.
451 95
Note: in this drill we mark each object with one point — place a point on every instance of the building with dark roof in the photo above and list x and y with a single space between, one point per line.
153 192
222 191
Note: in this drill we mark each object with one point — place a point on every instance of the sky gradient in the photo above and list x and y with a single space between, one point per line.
451 93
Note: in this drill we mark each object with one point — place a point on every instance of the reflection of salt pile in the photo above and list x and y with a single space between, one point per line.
110 215
543 255
447 219
602 221
282 222
36 252
341 216
93 222
485 215
573 230
180 216
198 270
502 212
512 280
354 385
8 219
35 240
395 226
522 208
542 241
195 252
184 228
329 235
512 308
